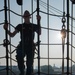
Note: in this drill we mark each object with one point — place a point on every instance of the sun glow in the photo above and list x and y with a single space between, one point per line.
59 35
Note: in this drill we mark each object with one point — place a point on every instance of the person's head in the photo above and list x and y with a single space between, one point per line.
26 16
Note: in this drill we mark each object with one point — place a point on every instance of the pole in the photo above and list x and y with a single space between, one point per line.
38 23
5 7
67 37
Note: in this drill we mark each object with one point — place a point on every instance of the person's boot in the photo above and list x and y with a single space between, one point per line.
21 73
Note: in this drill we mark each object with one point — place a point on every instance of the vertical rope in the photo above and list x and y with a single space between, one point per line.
63 39
48 30
32 30
10 37
38 23
71 33
67 37
7 63
32 9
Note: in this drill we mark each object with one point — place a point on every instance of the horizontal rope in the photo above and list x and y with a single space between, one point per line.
1 23
51 14
48 58
1 10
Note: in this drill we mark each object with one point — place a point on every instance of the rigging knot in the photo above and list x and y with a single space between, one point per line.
5 42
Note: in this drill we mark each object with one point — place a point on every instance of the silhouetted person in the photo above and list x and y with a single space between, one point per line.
26 46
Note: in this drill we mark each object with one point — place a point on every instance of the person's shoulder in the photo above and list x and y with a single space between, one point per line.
20 24
33 24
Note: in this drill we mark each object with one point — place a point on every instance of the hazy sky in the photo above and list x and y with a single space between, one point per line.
55 51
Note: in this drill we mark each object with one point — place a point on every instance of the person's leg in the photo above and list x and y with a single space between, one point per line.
20 59
29 61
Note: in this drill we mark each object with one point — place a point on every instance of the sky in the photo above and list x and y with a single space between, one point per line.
54 51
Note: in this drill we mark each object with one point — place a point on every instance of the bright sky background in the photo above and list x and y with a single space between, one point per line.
55 51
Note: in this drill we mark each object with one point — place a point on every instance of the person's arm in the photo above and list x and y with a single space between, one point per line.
11 34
